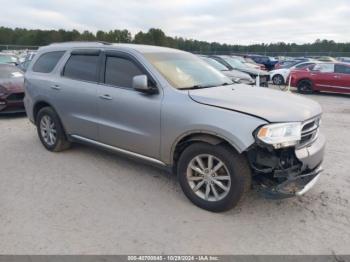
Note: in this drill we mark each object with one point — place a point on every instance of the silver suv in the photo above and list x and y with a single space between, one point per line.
171 108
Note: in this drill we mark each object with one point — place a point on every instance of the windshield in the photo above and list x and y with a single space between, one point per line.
215 64
7 59
186 71
234 62
8 71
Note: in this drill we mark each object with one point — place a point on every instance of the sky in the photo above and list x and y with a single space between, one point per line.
224 21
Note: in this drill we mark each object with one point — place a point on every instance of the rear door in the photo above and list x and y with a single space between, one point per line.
342 78
76 92
322 76
129 119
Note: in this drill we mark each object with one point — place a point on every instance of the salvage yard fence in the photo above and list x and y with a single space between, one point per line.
215 52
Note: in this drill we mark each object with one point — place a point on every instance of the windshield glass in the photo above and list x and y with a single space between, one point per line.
7 59
185 71
234 62
215 64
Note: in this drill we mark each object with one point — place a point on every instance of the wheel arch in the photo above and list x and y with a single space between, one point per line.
197 136
39 105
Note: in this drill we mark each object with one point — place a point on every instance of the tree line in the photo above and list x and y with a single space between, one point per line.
154 36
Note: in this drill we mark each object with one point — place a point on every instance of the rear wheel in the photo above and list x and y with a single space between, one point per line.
50 130
305 87
213 177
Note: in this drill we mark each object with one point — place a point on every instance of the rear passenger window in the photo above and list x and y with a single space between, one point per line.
342 69
47 62
82 67
120 71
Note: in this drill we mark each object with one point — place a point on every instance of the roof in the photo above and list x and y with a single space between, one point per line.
136 47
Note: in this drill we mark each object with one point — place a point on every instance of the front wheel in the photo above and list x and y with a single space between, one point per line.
305 87
213 177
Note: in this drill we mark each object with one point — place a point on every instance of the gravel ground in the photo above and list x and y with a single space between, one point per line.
88 201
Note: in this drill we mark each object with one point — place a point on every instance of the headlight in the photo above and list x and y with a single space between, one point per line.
236 80
280 135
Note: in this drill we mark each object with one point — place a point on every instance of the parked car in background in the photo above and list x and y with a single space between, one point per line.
11 89
344 59
267 61
255 65
232 63
291 62
6 58
27 59
170 108
279 76
235 75
326 59
328 77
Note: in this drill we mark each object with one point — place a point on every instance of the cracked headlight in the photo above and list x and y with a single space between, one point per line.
280 135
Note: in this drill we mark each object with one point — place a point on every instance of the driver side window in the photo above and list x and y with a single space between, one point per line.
324 68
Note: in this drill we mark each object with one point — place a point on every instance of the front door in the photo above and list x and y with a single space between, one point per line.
129 119
342 78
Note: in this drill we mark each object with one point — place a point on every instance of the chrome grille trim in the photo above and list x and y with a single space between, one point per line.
309 131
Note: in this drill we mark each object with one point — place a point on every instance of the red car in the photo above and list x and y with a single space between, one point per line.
11 89
329 77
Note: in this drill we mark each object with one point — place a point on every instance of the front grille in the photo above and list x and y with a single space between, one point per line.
15 97
309 131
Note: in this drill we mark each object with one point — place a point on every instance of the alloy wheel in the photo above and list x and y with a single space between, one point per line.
48 130
208 177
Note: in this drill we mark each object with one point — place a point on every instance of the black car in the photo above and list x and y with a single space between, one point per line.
234 64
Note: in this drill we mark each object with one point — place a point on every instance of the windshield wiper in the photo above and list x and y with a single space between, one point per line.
197 87
204 86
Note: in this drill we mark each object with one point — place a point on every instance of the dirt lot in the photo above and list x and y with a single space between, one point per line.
88 201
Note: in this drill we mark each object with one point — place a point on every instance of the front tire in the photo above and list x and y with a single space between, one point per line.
305 87
213 177
50 130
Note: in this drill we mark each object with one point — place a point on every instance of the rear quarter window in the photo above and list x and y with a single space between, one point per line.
47 62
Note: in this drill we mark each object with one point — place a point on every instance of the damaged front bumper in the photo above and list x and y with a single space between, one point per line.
287 172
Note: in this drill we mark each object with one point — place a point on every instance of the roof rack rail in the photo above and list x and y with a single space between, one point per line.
87 42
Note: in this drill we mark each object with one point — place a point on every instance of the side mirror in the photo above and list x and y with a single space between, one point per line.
140 83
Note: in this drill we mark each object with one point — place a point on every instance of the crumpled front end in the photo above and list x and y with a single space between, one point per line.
291 171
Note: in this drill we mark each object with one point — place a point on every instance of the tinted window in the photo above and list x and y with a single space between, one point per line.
47 62
120 72
82 67
342 69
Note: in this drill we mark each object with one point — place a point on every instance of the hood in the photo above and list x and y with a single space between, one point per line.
253 71
13 85
236 74
271 105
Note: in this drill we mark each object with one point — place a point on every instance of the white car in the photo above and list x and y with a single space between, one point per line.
279 76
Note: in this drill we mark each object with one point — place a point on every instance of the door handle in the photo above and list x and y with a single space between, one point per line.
336 76
56 87
106 97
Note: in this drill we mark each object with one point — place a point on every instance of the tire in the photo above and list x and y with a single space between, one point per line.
278 80
48 122
235 170
305 87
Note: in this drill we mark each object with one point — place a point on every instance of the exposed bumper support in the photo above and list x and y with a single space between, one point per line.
294 179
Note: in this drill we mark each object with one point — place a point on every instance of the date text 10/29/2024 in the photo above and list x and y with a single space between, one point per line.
173 258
